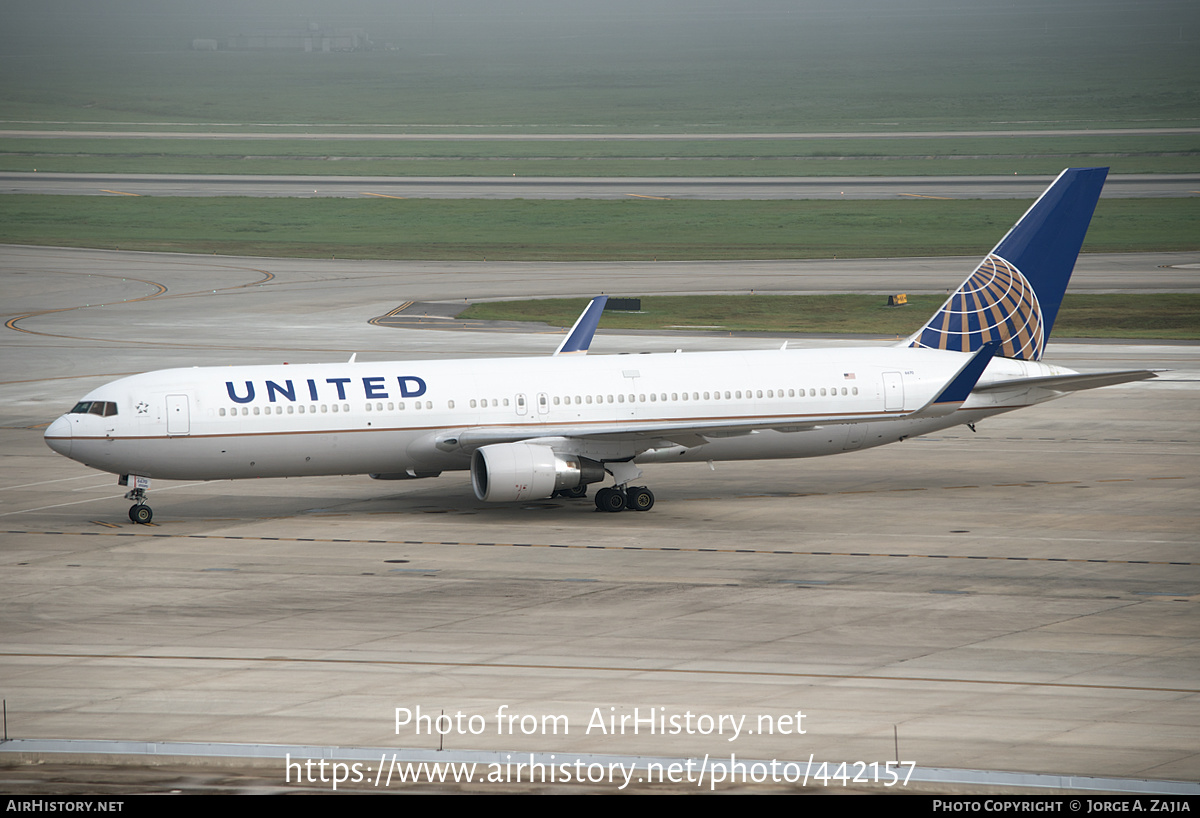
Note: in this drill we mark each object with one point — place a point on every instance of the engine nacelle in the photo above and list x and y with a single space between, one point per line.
526 471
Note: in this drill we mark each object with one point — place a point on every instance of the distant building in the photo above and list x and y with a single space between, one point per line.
311 39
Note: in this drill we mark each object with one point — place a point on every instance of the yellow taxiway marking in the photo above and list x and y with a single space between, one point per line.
119 192
643 196
921 196
382 195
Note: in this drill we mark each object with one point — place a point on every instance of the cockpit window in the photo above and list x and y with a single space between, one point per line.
104 408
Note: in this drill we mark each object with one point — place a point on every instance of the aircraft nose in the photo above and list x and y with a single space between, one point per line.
58 436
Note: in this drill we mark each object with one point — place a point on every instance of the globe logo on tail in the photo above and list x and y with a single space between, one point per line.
997 303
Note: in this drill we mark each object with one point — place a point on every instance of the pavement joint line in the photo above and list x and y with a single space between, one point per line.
664 548
666 671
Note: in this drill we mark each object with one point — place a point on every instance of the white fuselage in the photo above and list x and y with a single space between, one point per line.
419 417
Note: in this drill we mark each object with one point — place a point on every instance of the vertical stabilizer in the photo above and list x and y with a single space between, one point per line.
1014 294
580 337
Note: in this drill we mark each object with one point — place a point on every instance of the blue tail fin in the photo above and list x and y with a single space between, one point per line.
1014 295
580 337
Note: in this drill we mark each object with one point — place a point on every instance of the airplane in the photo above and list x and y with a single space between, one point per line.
535 428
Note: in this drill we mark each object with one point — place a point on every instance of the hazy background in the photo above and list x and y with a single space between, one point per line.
760 64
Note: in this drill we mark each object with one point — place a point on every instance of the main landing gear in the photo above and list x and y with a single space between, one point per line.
632 498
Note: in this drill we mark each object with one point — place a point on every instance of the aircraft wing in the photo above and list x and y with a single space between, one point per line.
694 432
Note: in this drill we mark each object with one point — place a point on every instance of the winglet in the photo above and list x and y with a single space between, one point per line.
580 337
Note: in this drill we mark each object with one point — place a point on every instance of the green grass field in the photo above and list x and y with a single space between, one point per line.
974 155
1163 316
568 230
635 68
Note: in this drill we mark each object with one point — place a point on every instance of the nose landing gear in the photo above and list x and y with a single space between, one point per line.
139 512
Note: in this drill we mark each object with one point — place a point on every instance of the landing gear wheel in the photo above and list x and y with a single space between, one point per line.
640 498
575 493
610 500
140 514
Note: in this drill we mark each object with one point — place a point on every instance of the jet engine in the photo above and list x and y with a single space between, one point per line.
528 471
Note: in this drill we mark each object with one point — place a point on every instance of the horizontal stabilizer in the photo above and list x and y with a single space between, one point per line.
1071 383
958 389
